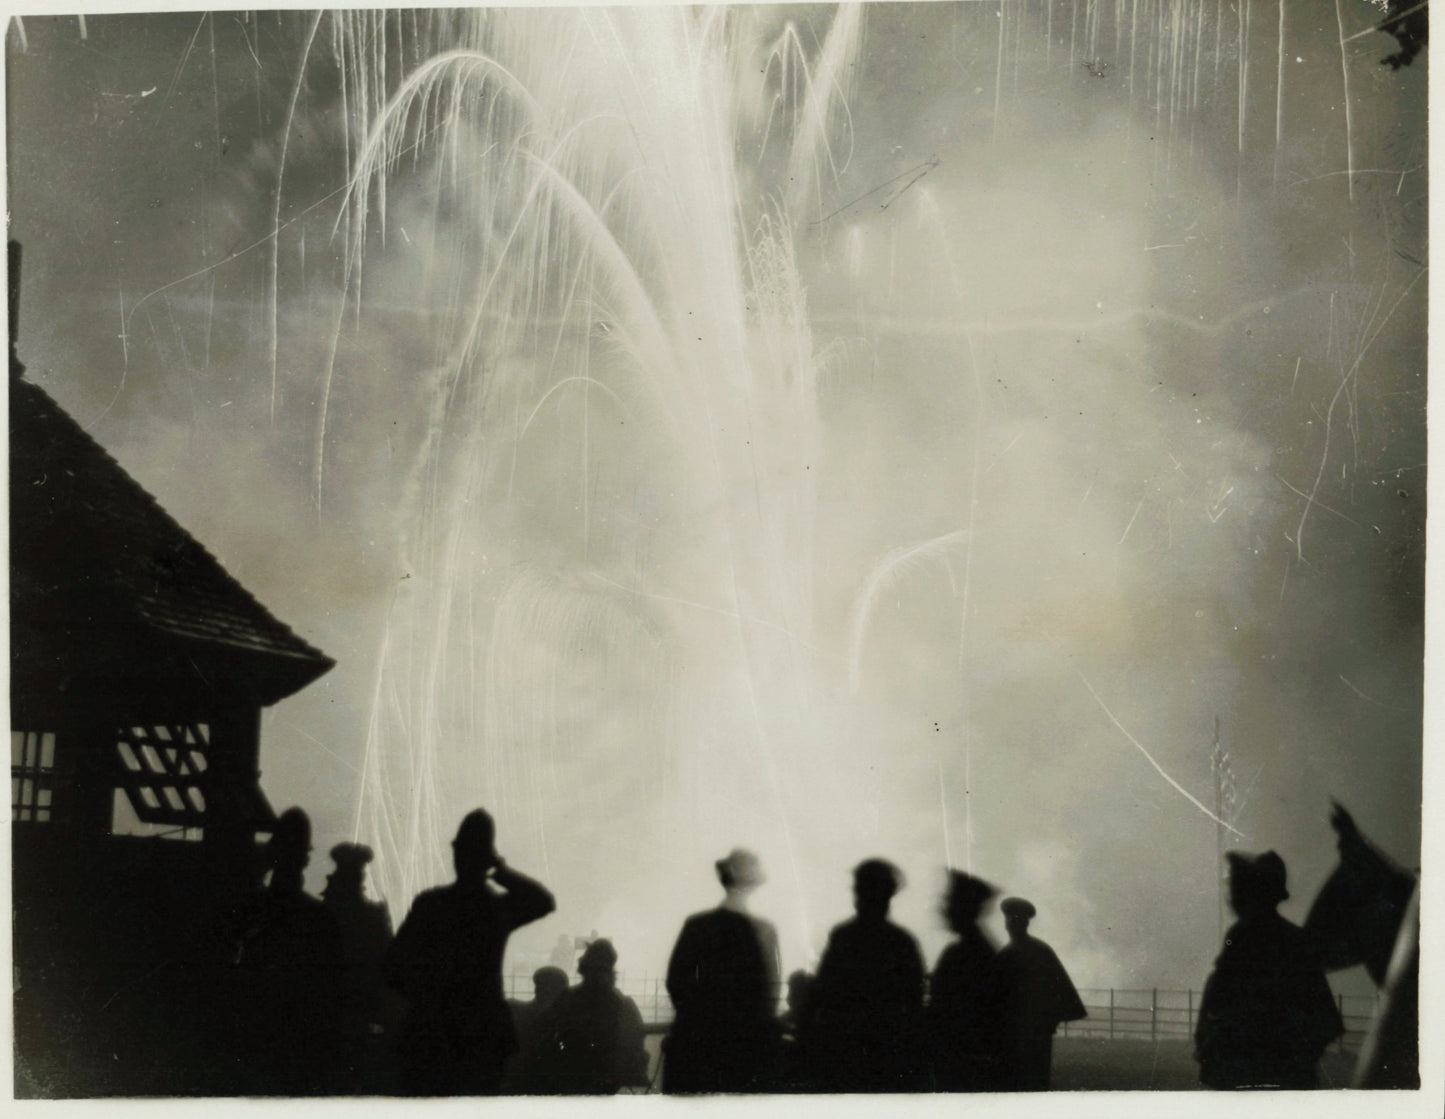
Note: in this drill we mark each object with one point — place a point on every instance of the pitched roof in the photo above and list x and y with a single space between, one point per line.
106 585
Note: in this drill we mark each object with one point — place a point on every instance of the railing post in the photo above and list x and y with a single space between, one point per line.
1154 1014
1111 1013
1189 1017
1340 1002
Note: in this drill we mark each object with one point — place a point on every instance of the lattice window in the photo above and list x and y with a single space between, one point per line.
32 775
162 773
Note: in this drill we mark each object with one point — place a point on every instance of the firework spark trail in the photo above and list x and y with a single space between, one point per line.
1150 758
1279 94
896 561
1334 400
1349 120
276 210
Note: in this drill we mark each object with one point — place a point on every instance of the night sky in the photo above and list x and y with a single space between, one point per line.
908 441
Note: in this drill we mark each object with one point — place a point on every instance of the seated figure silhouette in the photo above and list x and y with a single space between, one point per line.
592 1036
861 1033
369 1010
792 1072
286 986
447 962
547 983
962 1043
1032 995
722 978
1266 1015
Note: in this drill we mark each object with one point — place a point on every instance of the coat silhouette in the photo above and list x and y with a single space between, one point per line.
284 1003
592 1034
1032 995
722 978
862 1030
1266 1015
962 1040
370 1012
447 961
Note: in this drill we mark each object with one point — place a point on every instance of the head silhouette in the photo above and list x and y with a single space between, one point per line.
347 880
1256 882
598 965
740 872
1017 913
547 984
875 881
289 849
966 898
474 850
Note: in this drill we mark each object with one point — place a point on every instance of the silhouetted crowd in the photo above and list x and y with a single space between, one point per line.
316 996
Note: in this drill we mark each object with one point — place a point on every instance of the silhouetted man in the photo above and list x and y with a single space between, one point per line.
368 1011
961 1040
1033 995
447 961
592 1036
286 990
862 1028
547 984
722 979
1266 1015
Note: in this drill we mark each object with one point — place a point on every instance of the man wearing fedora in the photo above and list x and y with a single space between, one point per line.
1266 1015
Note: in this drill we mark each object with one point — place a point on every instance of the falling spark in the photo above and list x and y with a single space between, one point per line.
1150 757
1349 127
276 210
1131 519
1279 95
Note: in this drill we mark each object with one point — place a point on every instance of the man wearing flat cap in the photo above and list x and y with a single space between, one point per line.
960 1043
1032 995
1267 1015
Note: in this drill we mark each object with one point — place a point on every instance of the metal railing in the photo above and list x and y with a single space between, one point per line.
1115 1013
1162 1014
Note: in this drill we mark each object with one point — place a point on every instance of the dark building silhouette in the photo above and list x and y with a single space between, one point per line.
862 1028
1266 1014
139 669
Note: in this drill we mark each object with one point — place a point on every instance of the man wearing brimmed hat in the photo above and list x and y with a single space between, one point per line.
722 978
960 1043
1267 1014
1034 994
